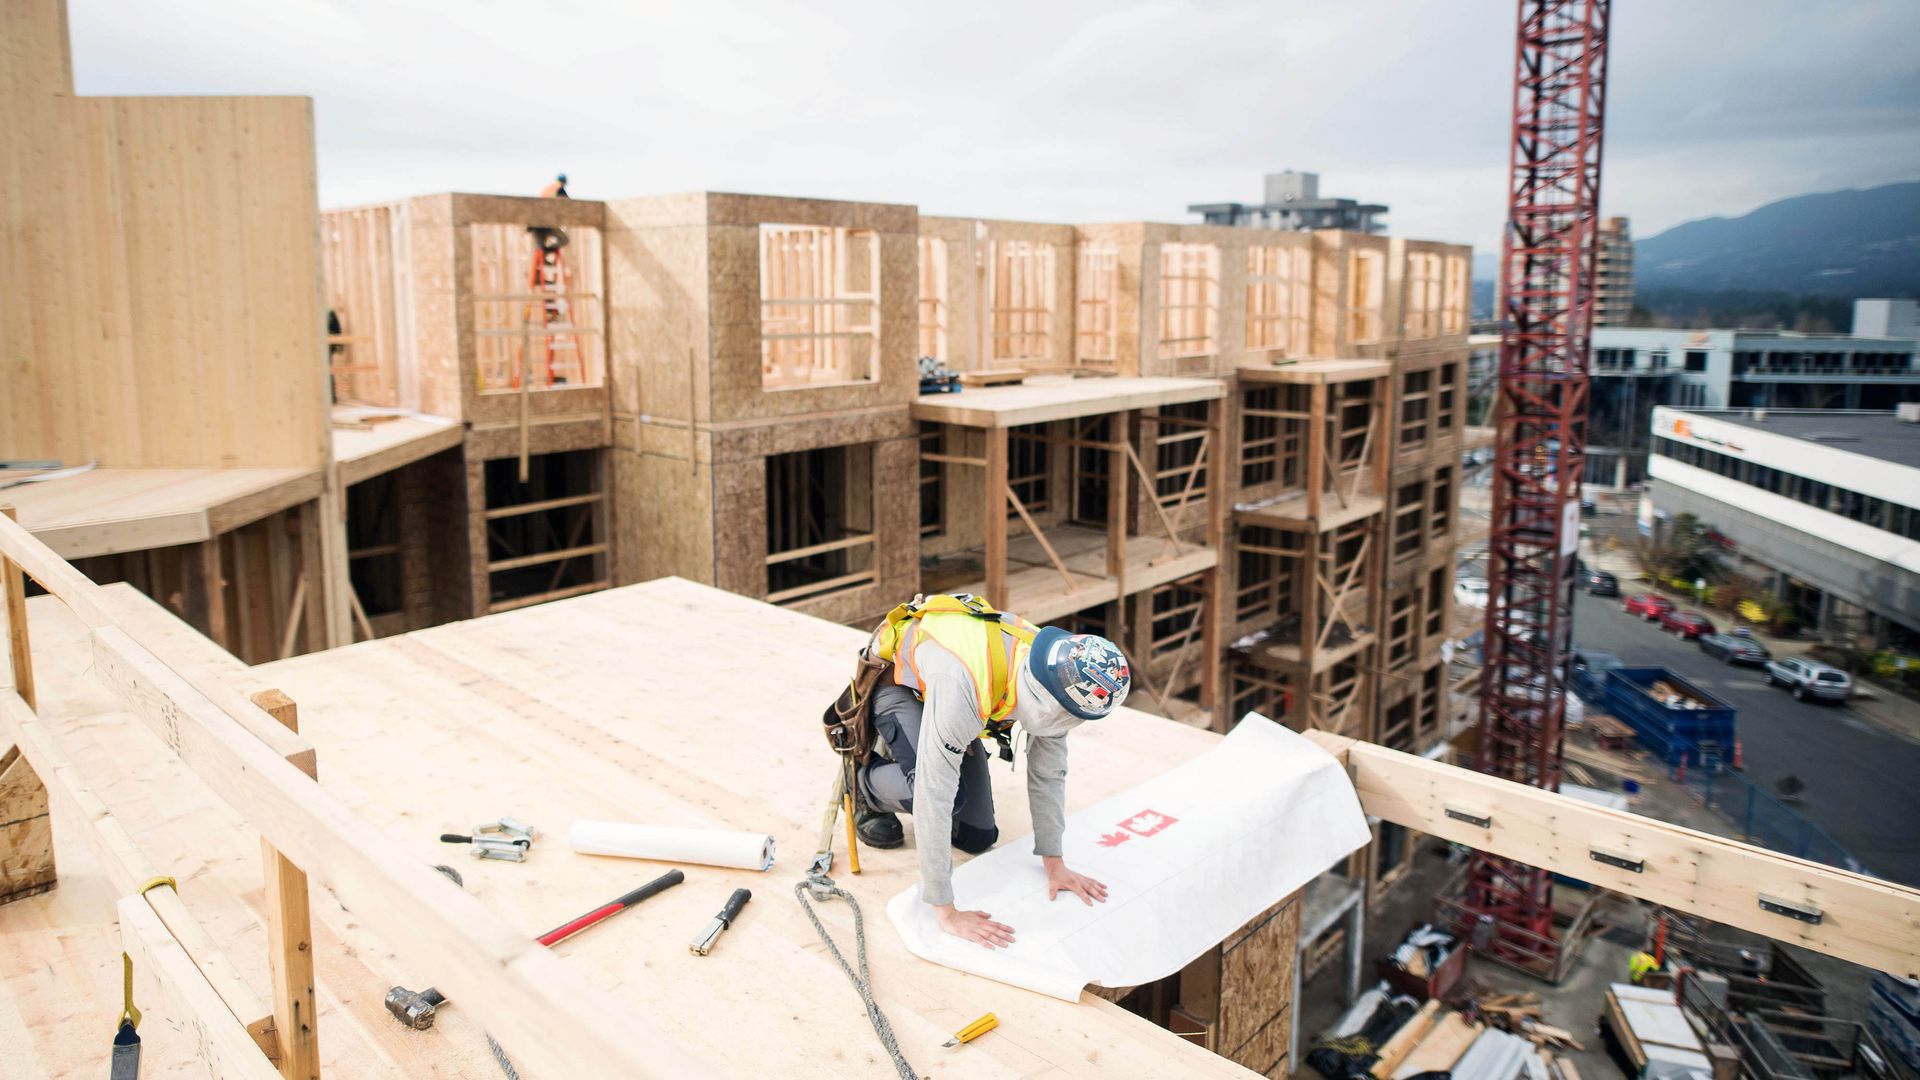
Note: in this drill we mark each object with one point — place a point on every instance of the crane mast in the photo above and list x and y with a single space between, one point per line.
1548 257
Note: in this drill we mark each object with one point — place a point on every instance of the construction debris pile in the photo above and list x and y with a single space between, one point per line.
1496 1037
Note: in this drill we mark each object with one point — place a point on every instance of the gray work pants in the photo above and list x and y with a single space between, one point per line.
887 786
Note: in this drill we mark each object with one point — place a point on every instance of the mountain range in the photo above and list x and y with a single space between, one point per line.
1807 252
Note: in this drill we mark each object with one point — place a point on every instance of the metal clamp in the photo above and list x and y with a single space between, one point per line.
510 828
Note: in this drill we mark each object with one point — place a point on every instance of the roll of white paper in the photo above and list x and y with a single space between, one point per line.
666 843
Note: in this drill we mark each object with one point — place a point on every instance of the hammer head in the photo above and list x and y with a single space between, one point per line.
414 1009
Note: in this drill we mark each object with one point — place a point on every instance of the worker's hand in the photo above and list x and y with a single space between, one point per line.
975 926
1060 879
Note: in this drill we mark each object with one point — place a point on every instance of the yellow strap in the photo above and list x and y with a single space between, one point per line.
128 1014
155 883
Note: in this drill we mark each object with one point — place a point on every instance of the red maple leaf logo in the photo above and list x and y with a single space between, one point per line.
1114 839
1147 822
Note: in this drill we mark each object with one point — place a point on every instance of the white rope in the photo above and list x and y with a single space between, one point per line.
823 887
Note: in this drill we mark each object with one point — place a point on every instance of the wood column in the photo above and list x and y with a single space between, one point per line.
1214 636
290 933
26 825
996 522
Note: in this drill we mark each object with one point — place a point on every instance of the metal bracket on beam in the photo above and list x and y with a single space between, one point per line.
1806 913
1632 866
1476 818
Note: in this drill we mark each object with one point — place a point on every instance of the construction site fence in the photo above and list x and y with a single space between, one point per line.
1765 820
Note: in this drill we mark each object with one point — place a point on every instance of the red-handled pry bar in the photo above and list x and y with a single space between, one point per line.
560 933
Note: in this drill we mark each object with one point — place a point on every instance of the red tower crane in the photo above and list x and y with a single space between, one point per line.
1547 275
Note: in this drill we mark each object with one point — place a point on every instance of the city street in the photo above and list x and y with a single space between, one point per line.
1862 783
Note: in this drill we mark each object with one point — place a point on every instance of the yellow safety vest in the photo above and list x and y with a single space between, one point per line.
990 644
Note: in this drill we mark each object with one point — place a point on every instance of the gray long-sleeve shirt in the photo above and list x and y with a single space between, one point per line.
950 724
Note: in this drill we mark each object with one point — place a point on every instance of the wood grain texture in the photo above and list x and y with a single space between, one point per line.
163 298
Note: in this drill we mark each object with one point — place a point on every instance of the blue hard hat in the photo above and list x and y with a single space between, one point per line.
1086 673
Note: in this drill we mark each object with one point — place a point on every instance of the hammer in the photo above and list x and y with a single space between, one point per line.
414 1009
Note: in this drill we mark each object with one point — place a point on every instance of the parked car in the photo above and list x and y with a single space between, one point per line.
1649 606
1809 679
1470 592
1601 583
1687 624
1734 648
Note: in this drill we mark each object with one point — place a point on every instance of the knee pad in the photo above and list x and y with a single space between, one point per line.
972 839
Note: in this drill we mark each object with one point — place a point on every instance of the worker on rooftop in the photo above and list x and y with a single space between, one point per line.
962 672
557 189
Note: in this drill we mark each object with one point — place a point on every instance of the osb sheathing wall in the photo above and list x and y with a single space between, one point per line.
1245 987
692 425
160 279
440 280
1139 291
967 245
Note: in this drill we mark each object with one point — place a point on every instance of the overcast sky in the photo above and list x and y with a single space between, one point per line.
1071 112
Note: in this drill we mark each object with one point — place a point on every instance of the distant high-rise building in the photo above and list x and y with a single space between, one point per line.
1293 204
1613 291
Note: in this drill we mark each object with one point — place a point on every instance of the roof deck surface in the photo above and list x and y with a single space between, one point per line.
1055 397
108 510
635 704
368 441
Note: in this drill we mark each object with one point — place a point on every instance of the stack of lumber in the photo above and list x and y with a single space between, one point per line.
1653 1034
1519 1014
1430 1042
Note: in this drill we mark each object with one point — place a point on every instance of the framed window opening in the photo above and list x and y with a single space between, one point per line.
546 535
1267 562
1440 514
1095 285
933 480
1029 468
1189 300
1366 292
1436 605
1399 629
1423 294
1415 388
1457 300
819 310
933 298
1447 415
1182 454
820 522
1409 506
1020 292
1277 299
538 309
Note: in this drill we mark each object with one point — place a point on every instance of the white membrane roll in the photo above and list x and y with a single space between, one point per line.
667 843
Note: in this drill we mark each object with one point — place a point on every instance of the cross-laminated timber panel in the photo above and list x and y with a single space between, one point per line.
1000 293
569 728
687 313
159 280
1190 299
694 503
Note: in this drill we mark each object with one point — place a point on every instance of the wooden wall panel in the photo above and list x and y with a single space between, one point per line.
161 271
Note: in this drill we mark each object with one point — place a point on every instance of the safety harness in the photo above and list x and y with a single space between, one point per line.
996 689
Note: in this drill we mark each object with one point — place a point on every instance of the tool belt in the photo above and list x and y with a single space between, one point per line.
848 722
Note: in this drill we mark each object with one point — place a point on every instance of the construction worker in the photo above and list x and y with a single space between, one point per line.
549 240
948 691
1640 965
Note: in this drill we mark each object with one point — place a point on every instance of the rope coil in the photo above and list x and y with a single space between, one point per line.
822 887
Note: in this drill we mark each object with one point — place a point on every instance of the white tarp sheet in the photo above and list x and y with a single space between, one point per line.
1188 857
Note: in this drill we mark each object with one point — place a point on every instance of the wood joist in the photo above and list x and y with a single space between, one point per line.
1865 920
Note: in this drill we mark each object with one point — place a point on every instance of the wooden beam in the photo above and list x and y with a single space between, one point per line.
26 823
290 932
1065 575
127 868
221 1045
1858 918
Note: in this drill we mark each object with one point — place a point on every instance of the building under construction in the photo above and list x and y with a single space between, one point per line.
386 520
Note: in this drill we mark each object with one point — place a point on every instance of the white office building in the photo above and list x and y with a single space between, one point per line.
1636 370
1824 504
